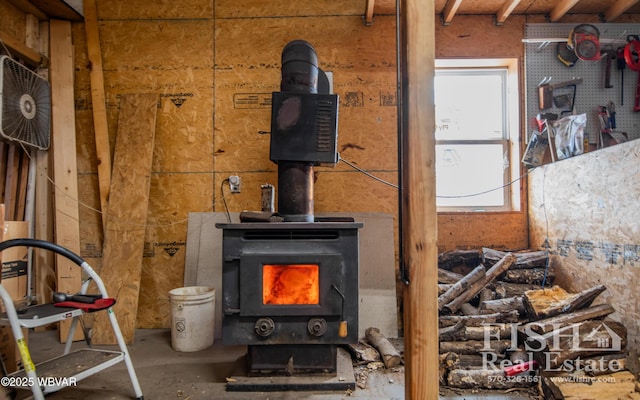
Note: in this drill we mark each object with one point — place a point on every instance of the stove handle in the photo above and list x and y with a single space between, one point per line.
342 329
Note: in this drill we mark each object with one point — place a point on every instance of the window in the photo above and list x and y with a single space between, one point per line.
477 122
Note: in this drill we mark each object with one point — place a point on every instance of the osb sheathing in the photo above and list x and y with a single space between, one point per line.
586 208
204 67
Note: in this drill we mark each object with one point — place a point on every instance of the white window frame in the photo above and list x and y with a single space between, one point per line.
511 136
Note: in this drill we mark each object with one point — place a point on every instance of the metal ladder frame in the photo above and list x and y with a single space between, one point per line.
17 323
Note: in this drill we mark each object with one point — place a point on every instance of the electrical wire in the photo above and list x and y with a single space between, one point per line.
440 197
368 174
224 200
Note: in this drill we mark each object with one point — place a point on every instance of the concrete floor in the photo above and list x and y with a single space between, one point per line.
167 374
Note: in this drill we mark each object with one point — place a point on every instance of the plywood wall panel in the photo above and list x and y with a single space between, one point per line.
478 36
156 44
249 197
259 8
586 207
144 9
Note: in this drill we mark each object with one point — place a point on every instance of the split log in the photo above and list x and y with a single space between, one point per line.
450 259
524 259
484 378
475 346
476 287
451 333
603 364
460 286
506 289
363 352
559 321
443 287
447 361
546 303
479 320
584 339
502 305
480 333
486 294
468 309
445 276
534 276
473 360
390 355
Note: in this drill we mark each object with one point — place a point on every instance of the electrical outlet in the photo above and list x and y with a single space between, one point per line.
234 183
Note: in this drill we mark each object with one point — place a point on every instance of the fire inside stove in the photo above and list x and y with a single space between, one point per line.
291 284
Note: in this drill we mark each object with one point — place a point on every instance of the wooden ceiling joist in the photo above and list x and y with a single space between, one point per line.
450 10
506 10
561 9
368 12
618 8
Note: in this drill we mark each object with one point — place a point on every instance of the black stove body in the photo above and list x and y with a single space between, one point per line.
290 292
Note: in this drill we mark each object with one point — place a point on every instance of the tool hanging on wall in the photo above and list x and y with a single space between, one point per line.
584 39
546 97
565 54
608 55
632 59
621 64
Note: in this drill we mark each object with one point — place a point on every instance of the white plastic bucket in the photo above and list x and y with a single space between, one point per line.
192 316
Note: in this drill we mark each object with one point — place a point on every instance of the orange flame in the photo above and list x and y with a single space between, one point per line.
290 284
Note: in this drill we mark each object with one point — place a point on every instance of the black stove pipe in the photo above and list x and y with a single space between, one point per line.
295 179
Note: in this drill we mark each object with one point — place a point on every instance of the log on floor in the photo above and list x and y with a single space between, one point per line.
390 356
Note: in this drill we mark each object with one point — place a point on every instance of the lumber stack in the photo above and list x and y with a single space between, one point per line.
504 325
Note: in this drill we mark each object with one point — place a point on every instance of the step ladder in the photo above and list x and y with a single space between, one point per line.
71 367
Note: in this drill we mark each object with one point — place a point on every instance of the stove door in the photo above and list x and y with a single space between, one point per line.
290 284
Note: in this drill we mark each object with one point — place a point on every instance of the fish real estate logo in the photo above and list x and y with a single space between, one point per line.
547 349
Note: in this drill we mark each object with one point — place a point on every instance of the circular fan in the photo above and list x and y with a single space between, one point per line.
25 105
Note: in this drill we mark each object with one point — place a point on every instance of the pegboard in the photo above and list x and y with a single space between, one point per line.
541 62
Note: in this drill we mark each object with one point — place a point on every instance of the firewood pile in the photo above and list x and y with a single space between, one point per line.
503 324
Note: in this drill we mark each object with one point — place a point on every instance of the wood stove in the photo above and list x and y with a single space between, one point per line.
290 292
290 288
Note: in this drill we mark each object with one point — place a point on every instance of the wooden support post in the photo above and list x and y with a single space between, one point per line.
127 214
419 224
65 170
99 107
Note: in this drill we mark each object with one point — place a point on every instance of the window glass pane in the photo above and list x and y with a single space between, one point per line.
469 169
469 104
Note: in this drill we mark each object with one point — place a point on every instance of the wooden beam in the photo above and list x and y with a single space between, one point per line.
450 10
65 169
506 10
419 218
28 8
561 9
618 8
127 214
20 50
368 12
99 107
